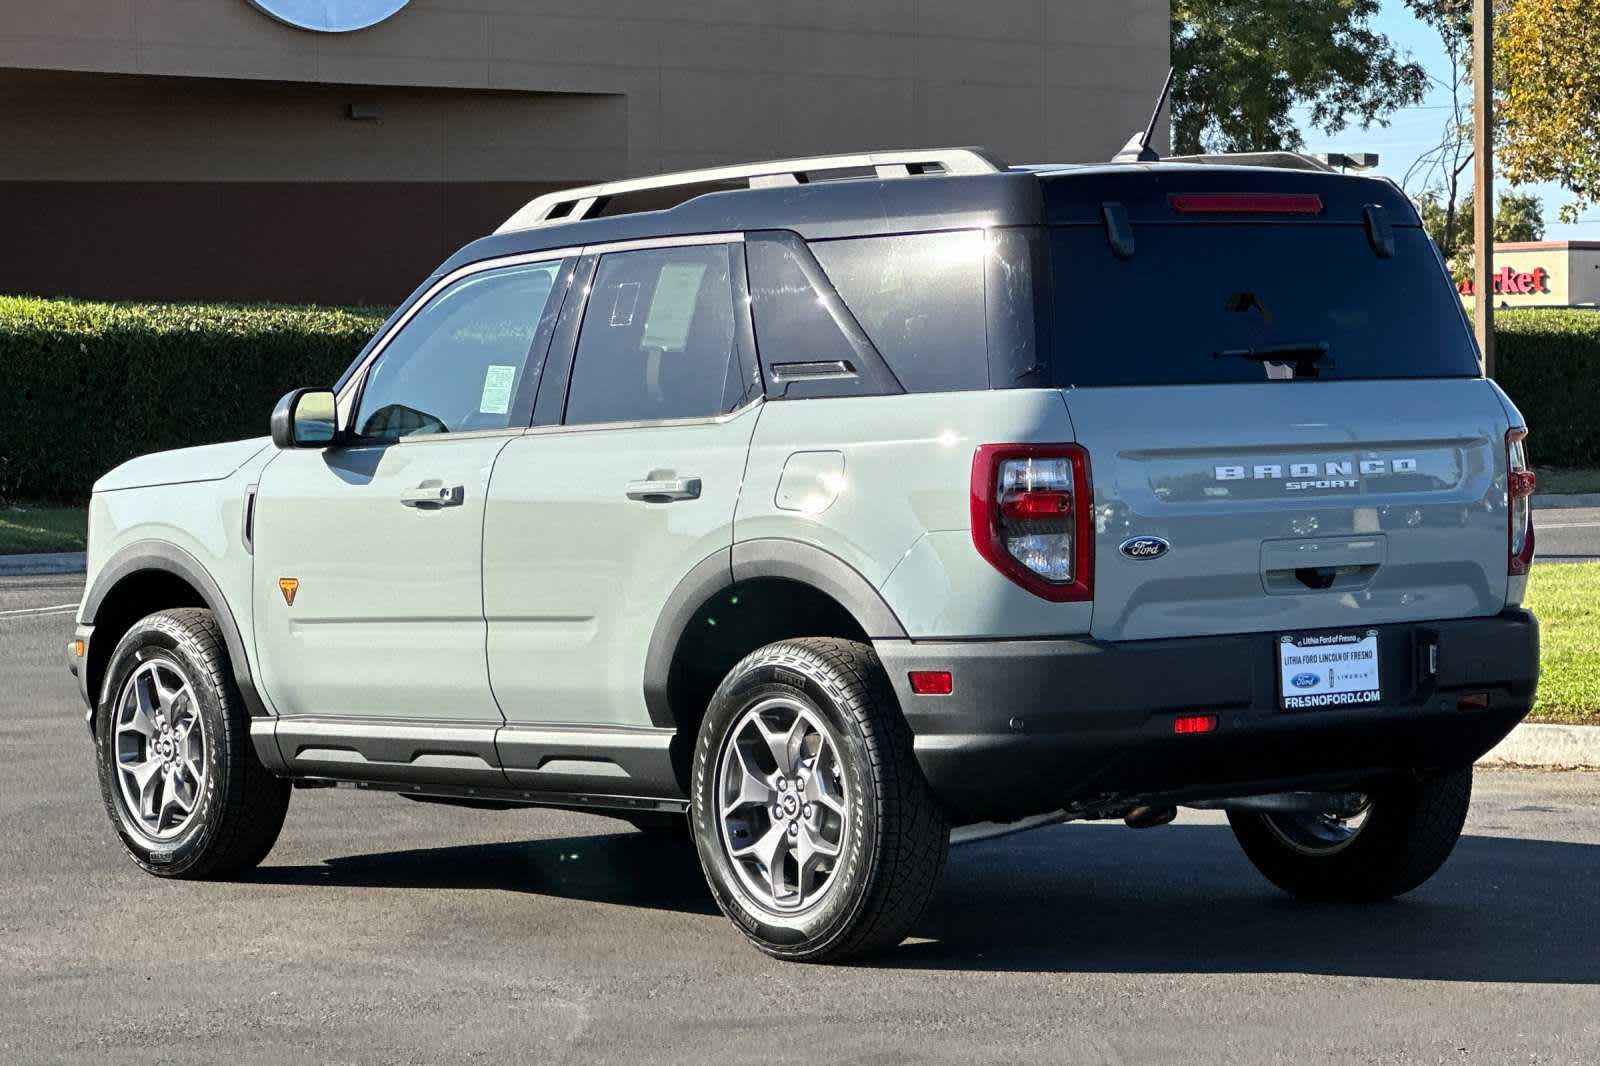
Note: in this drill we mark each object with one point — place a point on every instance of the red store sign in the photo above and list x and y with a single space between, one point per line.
1514 282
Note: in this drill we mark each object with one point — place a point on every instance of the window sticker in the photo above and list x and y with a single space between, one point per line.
672 307
627 299
497 381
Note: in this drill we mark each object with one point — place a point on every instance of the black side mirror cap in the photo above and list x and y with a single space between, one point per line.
306 418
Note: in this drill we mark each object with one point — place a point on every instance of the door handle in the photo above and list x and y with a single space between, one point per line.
431 495
665 490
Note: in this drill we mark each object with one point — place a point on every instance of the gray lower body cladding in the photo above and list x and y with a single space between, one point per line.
1039 725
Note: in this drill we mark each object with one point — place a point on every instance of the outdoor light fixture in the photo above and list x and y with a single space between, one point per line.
1349 160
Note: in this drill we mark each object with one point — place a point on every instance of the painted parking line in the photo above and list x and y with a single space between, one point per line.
1567 525
42 610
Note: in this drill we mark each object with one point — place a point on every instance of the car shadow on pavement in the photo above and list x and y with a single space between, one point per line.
1183 899
656 870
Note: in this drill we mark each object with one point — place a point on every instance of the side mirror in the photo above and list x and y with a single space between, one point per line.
306 418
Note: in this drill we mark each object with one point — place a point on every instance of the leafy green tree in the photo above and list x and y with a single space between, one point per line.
1243 65
1547 63
1517 217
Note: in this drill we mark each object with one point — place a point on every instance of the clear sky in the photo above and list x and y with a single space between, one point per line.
1413 131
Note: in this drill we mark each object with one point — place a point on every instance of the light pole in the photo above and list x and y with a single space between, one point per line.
1483 179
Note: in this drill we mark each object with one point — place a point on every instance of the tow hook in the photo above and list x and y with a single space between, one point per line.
1149 817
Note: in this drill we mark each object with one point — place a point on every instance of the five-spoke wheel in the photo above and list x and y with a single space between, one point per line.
782 803
160 749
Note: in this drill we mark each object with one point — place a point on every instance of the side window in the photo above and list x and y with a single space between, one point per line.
657 339
461 363
920 298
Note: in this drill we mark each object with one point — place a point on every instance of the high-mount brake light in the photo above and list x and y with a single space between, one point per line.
1520 483
1032 517
1246 203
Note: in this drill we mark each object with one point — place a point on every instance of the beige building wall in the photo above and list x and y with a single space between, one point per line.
1562 274
486 102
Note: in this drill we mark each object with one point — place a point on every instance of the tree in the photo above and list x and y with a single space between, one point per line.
1243 65
1549 78
1517 217
1439 171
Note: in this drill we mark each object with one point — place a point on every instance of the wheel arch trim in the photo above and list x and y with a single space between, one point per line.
771 557
165 557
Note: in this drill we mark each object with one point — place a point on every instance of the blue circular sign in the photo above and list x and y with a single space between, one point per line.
330 16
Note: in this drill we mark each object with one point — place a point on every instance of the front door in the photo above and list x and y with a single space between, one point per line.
592 523
368 580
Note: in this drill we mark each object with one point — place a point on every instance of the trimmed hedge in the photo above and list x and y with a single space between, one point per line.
85 386
1548 361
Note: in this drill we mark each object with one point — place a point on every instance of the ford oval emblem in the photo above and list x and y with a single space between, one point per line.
1305 680
1145 547
330 16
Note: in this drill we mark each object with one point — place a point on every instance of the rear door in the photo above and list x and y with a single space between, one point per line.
1294 409
593 521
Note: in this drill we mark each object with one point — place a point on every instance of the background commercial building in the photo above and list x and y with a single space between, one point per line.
204 149
1545 274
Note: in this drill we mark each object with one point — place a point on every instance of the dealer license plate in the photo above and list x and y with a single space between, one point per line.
1328 669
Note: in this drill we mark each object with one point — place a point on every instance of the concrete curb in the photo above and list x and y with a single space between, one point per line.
1554 501
1548 747
42 563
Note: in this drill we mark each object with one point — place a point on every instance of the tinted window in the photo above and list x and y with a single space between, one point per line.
657 337
920 298
1192 291
459 364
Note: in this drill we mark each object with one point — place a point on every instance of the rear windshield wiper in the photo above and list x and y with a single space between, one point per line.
1308 357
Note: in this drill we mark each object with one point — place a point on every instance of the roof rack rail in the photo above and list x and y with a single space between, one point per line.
1281 160
582 202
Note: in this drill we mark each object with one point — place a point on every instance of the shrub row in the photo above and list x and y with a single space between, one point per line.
1548 361
85 386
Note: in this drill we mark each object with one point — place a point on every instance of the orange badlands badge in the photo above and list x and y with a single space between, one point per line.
288 586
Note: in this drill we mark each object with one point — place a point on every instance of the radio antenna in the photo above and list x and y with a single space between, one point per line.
1138 149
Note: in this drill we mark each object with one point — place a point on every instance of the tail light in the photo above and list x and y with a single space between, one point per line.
1520 483
1031 517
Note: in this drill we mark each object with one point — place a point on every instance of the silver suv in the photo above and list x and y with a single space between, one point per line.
814 508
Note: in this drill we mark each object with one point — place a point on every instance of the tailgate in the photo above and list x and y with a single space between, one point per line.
1294 505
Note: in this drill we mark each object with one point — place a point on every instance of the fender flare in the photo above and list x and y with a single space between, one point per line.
771 557
168 558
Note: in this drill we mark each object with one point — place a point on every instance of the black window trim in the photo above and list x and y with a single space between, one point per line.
546 420
545 332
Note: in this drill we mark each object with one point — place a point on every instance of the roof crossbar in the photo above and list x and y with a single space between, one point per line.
580 202
1281 160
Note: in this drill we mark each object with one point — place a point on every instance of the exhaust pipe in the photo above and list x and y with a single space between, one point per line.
1149 817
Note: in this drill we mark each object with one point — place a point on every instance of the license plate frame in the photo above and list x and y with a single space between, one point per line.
1329 670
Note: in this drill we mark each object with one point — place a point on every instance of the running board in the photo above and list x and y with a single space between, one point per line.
522 761
471 795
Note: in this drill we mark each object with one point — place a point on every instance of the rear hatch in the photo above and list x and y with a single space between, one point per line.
1281 404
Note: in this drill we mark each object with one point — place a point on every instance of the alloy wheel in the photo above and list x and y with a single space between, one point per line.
160 746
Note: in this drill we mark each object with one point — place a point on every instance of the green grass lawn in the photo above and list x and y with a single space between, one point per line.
26 528
1566 599
1576 479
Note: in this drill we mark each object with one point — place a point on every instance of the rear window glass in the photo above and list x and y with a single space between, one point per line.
919 297
1206 303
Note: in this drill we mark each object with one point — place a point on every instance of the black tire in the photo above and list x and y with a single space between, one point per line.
241 807
891 859
1410 830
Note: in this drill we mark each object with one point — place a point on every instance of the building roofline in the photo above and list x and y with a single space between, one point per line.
1546 246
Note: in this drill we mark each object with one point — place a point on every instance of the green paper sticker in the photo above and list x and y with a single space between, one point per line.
497 381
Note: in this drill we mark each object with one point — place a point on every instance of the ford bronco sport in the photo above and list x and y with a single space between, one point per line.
815 508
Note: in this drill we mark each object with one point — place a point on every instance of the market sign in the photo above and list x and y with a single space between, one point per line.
330 16
1509 282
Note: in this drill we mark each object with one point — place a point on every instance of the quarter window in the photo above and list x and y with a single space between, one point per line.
462 363
657 339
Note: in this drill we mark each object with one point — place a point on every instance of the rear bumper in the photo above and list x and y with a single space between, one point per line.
1040 725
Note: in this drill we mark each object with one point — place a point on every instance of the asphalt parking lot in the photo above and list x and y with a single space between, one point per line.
1568 534
384 931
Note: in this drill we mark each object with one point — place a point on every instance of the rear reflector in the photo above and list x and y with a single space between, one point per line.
1473 701
932 682
1246 203
1195 723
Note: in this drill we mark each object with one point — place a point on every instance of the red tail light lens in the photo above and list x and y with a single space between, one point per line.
1032 517
1246 203
932 682
1195 723
1520 483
